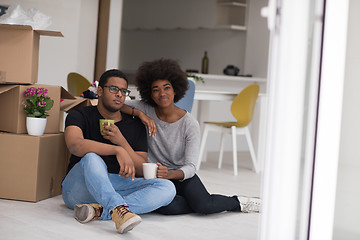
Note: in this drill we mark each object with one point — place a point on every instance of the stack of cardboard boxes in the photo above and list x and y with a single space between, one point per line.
31 168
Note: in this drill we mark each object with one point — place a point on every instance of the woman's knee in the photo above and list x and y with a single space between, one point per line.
202 207
176 207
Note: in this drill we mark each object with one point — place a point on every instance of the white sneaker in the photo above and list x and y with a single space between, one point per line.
86 212
249 204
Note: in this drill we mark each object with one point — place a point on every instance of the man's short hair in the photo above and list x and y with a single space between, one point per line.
111 73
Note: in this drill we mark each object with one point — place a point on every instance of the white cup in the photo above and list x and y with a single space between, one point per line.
149 170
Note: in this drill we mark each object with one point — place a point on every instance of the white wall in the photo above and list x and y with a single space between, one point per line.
114 37
75 52
257 40
347 209
186 44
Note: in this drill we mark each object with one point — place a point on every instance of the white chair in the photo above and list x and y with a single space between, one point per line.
242 109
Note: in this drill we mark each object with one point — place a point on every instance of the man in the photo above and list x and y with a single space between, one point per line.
101 183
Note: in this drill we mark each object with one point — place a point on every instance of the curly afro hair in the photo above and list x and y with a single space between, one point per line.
161 69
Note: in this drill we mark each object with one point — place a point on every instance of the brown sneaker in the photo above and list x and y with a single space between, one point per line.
86 212
124 219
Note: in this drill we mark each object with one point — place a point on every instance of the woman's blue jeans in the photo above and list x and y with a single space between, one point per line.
89 182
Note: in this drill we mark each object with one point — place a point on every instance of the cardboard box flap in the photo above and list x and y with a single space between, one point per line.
27 27
94 102
67 100
66 95
5 88
68 104
63 93
49 33
15 26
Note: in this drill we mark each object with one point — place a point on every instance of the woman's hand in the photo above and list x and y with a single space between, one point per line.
127 168
149 123
162 171
113 134
165 173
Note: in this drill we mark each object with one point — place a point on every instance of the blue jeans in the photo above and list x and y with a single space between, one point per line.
89 182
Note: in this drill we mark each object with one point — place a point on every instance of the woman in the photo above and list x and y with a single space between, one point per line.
174 142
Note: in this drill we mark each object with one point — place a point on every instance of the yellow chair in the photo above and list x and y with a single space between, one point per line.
242 109
77 84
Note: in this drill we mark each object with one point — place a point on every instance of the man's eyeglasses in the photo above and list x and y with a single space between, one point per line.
115 90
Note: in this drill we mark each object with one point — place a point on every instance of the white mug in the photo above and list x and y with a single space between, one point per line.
149 170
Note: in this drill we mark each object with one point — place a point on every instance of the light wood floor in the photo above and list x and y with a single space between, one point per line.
51 219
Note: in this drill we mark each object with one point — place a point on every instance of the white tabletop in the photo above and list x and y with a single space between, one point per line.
214 95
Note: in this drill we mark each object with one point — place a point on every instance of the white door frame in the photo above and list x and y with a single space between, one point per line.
329 120
303 125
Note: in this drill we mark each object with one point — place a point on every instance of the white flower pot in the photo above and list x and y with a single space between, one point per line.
35 126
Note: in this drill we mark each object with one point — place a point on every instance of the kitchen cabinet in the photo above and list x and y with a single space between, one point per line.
231 14
231 31
184 15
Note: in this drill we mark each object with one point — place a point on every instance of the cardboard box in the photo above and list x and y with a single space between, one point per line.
70 104
19 52
32 168
13 117
2 76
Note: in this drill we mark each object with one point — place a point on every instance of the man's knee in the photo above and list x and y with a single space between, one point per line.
90 156
93 160
170 188
167 188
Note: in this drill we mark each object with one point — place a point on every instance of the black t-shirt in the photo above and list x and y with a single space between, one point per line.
87 119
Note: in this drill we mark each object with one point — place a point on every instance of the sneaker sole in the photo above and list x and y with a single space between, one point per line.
129 224
82 213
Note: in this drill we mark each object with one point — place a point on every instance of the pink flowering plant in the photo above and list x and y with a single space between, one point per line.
37 103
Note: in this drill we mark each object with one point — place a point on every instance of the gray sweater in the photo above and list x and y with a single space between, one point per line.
176 145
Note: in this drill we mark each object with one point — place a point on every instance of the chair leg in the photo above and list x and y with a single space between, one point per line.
221 153
202 146
251 148
233 131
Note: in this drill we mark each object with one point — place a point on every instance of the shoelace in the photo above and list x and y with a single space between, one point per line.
98 211
122 210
